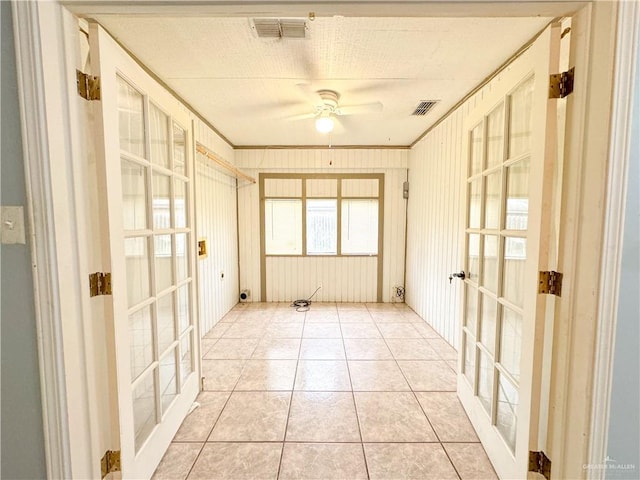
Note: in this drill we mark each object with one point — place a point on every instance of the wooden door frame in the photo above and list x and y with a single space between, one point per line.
52 132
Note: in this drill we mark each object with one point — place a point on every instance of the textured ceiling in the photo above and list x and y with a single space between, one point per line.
247 86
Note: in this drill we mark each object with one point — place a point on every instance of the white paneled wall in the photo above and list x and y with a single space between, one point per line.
436 216
391 162
216 220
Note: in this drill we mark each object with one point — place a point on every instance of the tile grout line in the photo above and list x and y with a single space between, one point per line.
353 398
293 387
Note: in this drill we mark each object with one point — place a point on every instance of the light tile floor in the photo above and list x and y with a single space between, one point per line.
343 391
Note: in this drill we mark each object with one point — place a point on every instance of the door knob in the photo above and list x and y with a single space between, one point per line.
461 275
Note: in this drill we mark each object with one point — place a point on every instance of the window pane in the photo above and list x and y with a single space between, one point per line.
140 336
520 119
168 380
164 262
137 260
490 263
184 319
182 256
488 323
144 408
492 201
179 203
179 149
159 136
161 207
186 358
130 119
471 314
165 325
515 257
469 358
473 259
283 227
359 227
506 415
476 150
322 227
511 342
134 196
474 204
495 137
517 196
485 381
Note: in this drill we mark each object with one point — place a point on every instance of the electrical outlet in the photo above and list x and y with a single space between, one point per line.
13 225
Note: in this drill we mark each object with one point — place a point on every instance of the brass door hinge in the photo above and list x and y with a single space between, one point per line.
540 463
110 462
550 282
88 86
99 284
561 84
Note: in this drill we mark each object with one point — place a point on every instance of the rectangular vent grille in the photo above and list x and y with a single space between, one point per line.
276 28
424 107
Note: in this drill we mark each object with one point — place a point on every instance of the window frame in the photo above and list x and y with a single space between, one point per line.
303 197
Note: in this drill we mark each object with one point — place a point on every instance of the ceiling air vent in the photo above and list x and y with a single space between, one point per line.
424 107
276 28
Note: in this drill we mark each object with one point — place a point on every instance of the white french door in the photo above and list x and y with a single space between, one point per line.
509 174
144 159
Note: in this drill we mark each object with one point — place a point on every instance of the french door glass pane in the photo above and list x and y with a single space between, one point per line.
166 326
161 205
144 408
182 256
476 150
183 308
469 358
485 380
492 195
168 379
130 119
515 256
510 341
137 260
180 203
520 119
474 204
506 418
473 257
490 263
322 227
488 323
164 262
141 341
186 356
159 136
517 202
283 226
359 227
179 149
134 196
495 137
471 313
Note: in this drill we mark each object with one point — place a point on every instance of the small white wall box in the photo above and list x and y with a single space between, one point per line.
245 296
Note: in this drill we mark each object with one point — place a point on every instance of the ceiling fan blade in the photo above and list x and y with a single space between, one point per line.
360 109
303 116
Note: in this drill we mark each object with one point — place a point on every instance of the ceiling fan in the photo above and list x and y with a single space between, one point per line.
327 109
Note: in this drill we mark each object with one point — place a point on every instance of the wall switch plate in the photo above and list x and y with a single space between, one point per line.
12 225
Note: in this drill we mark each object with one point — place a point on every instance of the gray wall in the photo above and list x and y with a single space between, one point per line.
21 411
624 427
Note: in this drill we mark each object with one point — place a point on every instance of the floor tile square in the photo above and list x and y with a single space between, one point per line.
237 461
321 316
392 417
322 417
377 375
355 316
221 374
351 307
277 349
322 349
471 461
217 330
398 330
415 461
177 461
323 461
197 426
388 317
322 330
284 330
360 330
411 349
429 375
253 417
322 376
244 330
367 349
446 351
447 416
425 330
267 375
288 316
232 348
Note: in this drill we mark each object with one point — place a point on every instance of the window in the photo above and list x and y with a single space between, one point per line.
339 215
283 226
359 227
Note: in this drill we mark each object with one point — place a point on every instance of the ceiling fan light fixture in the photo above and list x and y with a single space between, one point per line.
324 124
